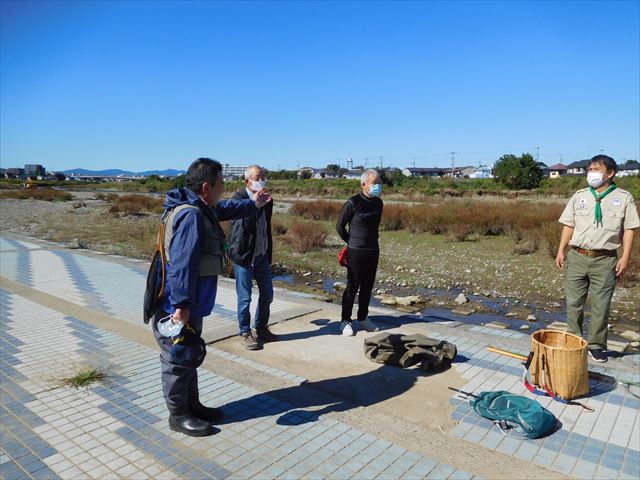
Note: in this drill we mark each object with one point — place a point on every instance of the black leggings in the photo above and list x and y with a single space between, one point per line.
361 274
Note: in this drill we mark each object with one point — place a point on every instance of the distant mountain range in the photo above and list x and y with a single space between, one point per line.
116 171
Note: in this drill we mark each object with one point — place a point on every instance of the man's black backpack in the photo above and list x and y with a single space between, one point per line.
156 279
408 350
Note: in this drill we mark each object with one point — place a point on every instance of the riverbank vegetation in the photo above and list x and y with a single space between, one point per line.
397 185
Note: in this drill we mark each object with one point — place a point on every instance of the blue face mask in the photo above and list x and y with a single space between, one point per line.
375 190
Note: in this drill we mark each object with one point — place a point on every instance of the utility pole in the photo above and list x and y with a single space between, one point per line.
537 154
381 162
453 162
414 162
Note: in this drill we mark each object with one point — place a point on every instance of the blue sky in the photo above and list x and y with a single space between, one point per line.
146 85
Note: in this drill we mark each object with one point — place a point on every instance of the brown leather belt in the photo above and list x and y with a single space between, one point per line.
596 253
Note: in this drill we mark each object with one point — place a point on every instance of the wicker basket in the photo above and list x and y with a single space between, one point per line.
560 361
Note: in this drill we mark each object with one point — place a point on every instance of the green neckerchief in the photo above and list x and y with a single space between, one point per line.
599 197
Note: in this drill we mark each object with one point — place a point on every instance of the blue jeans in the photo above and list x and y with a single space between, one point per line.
244 276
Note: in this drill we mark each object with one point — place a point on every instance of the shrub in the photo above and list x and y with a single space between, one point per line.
459 232
518 172
106 197
305 236
394 217
278 228
46 194
319 210
527 247
631 277
136 205
550 236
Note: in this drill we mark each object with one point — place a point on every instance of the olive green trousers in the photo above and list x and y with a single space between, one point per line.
595 276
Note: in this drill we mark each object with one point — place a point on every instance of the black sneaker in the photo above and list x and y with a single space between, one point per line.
249 342
265 335
598 355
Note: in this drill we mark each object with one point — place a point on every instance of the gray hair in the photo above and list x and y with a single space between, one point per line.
247 171
370 172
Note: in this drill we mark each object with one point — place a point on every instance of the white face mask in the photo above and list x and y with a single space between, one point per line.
259 185
594 179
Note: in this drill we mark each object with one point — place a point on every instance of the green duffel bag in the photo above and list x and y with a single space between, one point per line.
516 413
408 350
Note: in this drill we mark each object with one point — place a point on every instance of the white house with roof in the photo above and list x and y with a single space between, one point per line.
460 172
483 171
324 173
558 170
354 174
578 168
629 168
423 172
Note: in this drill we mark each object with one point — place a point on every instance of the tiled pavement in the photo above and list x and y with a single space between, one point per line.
118 429
604 444
115 288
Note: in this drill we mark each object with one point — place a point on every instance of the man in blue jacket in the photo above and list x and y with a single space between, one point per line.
195 250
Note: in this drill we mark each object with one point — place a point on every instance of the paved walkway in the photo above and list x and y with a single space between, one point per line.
118 428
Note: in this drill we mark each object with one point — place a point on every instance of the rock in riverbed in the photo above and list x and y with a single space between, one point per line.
631 335
461 299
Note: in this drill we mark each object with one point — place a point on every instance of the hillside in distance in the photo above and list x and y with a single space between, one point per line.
116 171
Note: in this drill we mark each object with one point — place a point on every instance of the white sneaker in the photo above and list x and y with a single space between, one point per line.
347 329
369 326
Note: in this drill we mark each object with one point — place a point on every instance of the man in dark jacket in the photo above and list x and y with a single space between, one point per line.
194 247
250 248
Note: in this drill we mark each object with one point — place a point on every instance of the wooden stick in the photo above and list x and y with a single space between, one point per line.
507 353
594 375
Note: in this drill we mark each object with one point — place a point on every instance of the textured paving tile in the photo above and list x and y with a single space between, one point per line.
581 446
117 428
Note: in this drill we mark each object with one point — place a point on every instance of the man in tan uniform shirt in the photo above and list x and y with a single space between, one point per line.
597 221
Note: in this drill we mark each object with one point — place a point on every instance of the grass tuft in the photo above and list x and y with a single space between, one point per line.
84 377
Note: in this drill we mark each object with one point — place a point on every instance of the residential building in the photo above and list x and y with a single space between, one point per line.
354 174
545 169
423 172
34 170
578 168
558 170
324 173
629 168
12 172
483 171
232 172
460 172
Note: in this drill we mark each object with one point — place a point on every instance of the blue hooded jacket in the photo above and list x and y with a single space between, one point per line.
184 288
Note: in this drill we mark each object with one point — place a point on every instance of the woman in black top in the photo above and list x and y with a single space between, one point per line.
362 213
